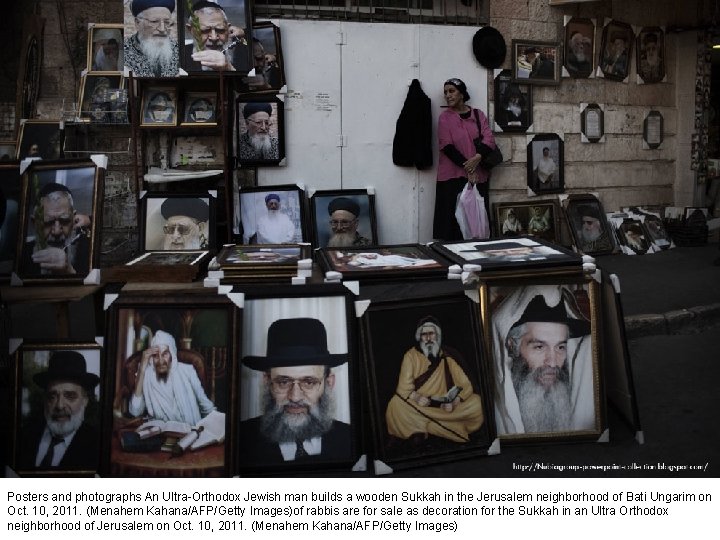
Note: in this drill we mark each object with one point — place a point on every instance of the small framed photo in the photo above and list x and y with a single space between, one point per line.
633 236
260 131
616 50
40 139
59 224
592 123
579 48
650 55
177 221
299 398
540 219
536 62
159 106
7 150
57 409
241 257
98 91
171 372
545 163
343 218
273 215
513 107
589 225
10 199
653 130
200 108
105 48
537 398
657 233
420 413
268 71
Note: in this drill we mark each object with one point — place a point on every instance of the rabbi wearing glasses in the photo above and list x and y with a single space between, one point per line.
186 222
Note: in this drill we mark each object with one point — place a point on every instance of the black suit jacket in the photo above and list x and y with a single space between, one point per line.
83 452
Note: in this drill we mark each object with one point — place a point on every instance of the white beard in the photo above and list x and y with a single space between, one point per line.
158 50
430 349
261 144
542 409
590 236
343 239
63 429
580 56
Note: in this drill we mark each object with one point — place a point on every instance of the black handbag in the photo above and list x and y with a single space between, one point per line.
490 156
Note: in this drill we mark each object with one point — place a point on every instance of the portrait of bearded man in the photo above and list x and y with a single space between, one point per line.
259 142
152 51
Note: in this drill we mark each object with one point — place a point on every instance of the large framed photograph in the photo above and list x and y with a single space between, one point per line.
260 127
299 383
98 91
57 408
215 36
40 139
513 107
59 224
579 48
402 261
105 48
268 73
171 366
10 199
162 57
429 386
588 223
273 215
540 219
536 62
650 59
545 349
200 109
177 221
159 106
546 163
616 50
343 218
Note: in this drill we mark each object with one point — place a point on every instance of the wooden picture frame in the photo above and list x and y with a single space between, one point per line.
616 50
592 123
159 106
40 138
50 375
590 229
539 219
536 62
199 335
579 48
315 358
546 163
358 229
650 55
178 221
200 109
161 267
513 106
98 92
258 226
262 117
105 48
10 204
66 250
267 58
564 313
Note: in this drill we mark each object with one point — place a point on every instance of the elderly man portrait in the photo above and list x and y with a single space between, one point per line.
212 43
61 245
615 60
62 439
152 51
593 235
511 225
344 220
274 226
266 70
543 366
257 142
434 396
652 67
107 54
185 224
578 59
298 422
165 388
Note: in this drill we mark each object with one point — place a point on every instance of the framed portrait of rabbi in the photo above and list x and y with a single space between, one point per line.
151 38
178 222
343 218
260 131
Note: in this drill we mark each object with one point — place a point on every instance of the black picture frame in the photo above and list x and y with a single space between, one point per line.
318 315
40 370
46 135
592 123
407 433
267 57
262 258
105 41
366 221
253 211
159 107
653 130
10 205
98 90
513 105
76 227
194 213
614 62
236 40
650 55
200 109
633 236
543 68
579 48
273 122
542 176
599 234
205 329
576 364
539 219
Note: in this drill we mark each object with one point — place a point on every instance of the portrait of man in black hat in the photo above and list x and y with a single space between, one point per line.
185 224
297 423
259 140
61 438
344 220
593 234
151 47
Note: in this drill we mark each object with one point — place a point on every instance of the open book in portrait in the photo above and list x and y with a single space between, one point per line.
174 436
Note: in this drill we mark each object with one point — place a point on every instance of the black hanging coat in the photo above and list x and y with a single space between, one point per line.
412 145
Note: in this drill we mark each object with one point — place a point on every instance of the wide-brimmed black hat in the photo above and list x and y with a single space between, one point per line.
194 208
296 342
67 366
343 203
589 210
538 311
489 47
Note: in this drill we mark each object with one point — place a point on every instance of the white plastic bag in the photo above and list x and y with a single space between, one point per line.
470 213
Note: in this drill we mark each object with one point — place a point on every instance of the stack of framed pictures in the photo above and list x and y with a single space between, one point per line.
260 263
161 267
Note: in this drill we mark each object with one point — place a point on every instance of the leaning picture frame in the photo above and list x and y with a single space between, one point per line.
45 370
650 55
299 341
344 216
40 139
633 237
10 200
97 91
536 62
260 130
159 106
513 106
178 221
60 217
545 163
615 50
422 416
105 48
188 432
579 48
565 311
272 215
269 64
591 231
540 219
238 263
7 150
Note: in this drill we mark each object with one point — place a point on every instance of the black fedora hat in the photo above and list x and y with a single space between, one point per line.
489 47
538 311
67 366
296 342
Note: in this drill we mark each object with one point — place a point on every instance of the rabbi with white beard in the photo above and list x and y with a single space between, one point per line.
152 51
257 143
